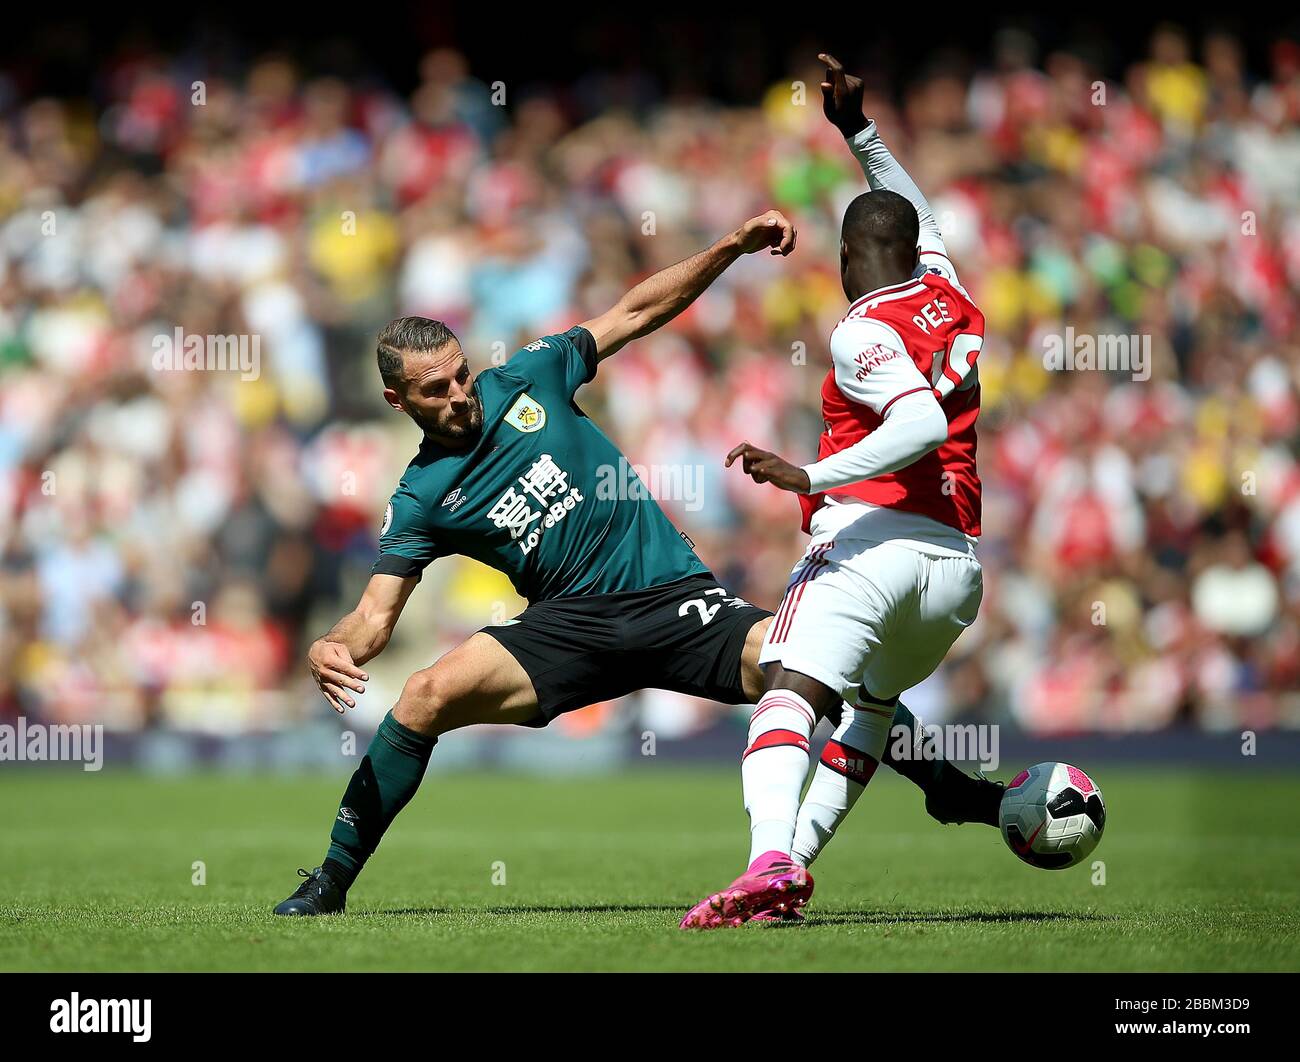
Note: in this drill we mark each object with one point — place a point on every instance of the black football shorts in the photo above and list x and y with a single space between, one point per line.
685 636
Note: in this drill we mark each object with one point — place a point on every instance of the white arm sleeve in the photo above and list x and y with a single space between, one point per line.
872 367
882 170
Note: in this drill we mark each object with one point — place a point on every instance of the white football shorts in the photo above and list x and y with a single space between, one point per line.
872 614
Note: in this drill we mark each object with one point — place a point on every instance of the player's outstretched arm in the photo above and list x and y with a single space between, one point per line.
336 657
912 421
842 105
659 298
913 427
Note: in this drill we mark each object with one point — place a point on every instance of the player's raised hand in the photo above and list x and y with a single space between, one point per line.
842 97
335 673
771 229
766 467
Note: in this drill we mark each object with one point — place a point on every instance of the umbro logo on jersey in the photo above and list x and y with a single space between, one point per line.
455 499
526 415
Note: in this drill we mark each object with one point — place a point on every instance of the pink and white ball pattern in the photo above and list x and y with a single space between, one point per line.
1052 815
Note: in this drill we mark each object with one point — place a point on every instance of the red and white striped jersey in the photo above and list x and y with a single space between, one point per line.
922 334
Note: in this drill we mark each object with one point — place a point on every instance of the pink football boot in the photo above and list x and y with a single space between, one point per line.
773 885
789 916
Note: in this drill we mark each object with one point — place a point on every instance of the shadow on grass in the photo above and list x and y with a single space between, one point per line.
526 909
841 918
815 918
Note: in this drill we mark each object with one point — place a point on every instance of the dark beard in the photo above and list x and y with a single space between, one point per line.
455 436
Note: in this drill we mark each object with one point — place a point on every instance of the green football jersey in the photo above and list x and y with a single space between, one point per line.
524 498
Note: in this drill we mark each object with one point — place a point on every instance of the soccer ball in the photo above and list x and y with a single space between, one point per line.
1052 815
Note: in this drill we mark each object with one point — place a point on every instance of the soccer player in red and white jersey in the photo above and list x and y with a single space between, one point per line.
892 504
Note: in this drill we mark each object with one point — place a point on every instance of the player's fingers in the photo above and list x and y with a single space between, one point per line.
835 74
338 657
788 235
341 662
832 64
329 674
736 451
335 695
774 230
339 701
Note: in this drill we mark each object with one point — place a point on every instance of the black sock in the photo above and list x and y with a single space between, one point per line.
342 875
388 777
903 751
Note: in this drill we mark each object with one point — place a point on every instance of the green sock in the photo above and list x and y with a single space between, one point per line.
388 777
915 768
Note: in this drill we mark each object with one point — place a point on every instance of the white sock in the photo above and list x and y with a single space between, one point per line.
774 768
847 763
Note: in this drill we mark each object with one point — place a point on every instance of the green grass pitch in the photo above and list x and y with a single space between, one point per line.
1202 872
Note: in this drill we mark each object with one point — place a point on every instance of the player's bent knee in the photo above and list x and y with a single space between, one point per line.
425 702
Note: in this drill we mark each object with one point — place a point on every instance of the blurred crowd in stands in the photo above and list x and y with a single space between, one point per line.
171 540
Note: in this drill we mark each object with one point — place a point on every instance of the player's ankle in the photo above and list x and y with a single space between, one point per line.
342 874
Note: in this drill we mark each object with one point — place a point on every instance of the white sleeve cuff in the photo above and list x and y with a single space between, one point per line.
859 140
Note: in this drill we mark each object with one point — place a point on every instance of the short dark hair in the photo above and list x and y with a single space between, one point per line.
408 335
881 216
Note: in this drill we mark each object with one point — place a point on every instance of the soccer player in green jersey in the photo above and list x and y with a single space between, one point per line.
618 600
